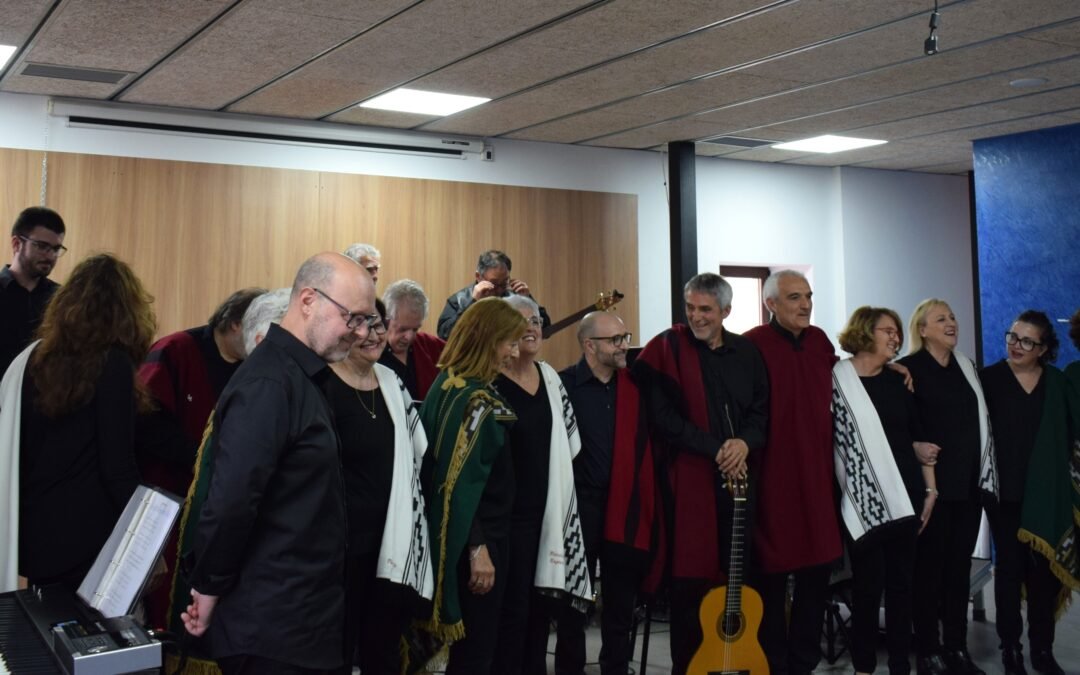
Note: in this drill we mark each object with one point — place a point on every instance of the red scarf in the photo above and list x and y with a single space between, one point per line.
631 504
426 350
670 361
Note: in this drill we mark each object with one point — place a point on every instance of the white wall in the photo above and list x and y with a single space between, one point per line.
907 237
848 226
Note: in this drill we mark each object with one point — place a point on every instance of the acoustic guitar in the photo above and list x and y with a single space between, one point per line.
731 615
603 301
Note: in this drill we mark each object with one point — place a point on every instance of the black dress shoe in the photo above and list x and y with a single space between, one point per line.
1043 662
931 665
1013 660
960 663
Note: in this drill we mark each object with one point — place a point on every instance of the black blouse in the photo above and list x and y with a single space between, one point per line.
530 445
367 460
899 417
949 412
1014 416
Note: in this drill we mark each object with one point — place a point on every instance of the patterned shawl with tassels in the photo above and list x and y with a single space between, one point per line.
1050 513
465 422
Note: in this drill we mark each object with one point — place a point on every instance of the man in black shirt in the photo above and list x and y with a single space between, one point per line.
270 543
37 239
707 395
492 281
595 386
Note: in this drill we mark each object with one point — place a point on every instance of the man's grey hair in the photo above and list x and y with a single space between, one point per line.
357 251
492 259
771 287
407 292
266 309
520 302
713 284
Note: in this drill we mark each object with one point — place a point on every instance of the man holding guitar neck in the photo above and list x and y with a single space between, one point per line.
707 396
492 281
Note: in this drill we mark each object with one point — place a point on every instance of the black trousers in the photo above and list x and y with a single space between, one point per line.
943 574
525 616
884 563
793 646
621 576
375 618
473 654
248 664
1018 565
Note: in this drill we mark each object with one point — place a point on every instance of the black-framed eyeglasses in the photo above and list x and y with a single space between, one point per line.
352 319
616 340
1026 343
45 247
535 322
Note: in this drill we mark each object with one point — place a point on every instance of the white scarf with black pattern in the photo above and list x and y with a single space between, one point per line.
405 552
561 565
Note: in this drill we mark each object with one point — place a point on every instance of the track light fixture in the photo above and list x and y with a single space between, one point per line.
930 45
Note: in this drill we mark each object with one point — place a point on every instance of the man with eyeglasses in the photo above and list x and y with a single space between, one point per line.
368 257
493 280
37 241
616 491
269 555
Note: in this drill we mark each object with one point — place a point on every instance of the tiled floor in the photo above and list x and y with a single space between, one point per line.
982 642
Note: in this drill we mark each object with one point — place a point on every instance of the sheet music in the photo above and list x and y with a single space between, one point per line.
124 564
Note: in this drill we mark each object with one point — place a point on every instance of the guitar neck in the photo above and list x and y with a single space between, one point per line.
735 566
568 321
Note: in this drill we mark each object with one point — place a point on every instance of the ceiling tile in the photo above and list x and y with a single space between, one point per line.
18 18
679 130
426 37
251 46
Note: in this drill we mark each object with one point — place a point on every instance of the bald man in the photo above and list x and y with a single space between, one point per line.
269 548
615 488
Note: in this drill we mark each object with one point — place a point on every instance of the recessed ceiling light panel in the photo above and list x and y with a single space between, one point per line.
423 102
828 144
5 53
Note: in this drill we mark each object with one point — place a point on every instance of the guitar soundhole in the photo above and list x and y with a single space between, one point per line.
730 625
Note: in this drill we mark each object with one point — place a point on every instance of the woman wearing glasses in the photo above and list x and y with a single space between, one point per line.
954 417
545 565
388 568
468 479
68 407
886 496
1034 516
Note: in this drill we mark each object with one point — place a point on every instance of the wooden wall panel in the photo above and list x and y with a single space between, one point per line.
20 186
196 232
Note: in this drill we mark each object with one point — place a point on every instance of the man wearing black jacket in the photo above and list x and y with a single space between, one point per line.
492 281
270 544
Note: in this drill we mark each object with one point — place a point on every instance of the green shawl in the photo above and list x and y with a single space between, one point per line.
1050 512
464 421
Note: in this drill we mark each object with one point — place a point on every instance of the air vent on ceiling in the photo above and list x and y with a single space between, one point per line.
74 73
738 141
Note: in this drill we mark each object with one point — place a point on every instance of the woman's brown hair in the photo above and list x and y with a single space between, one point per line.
471 349
101 305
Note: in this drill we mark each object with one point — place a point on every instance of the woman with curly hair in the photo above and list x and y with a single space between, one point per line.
468 479
69 403
1033 522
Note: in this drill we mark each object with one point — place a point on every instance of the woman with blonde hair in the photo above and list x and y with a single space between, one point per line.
68 404
468 479
955 421
885 496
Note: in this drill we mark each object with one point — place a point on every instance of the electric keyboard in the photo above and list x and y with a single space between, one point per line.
51 632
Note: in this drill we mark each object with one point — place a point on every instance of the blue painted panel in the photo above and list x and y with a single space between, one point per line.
1027 205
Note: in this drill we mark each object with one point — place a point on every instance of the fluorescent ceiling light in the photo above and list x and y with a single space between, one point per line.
5 53
423 102
828 144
